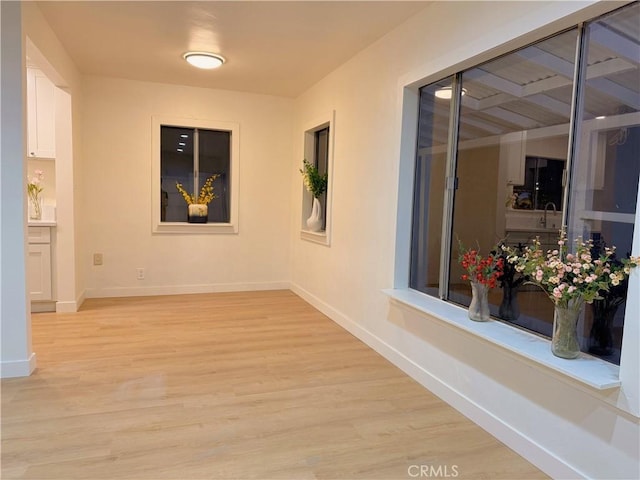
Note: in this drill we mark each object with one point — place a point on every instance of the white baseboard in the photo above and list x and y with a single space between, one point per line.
183 289
521 444
43 306
18 368
66 307
70 306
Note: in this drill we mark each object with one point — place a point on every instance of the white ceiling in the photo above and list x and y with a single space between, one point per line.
275 48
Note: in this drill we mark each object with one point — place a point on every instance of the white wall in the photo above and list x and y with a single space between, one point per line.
17 358
565 428
116 214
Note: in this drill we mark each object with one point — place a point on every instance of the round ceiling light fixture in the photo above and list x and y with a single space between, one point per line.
446 93
204 60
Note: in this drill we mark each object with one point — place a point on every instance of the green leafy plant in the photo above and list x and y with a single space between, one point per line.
315 183
206 192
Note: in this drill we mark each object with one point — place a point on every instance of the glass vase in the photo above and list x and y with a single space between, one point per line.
479 306
564 341
35 208
601 334
509 309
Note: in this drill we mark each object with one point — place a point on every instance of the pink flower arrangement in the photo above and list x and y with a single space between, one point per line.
571 279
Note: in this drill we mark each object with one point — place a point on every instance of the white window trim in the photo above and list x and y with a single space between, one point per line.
319 123
180 227
587 370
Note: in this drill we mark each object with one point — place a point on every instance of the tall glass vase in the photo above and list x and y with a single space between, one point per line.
601 334
479 306
564 341
509 309
35 207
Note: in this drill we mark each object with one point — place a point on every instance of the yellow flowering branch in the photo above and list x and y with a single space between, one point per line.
206 192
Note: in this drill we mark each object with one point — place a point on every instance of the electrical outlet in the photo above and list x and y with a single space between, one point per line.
97 259
140 273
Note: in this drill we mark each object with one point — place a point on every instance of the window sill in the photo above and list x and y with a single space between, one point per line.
316 237
201 228
586 369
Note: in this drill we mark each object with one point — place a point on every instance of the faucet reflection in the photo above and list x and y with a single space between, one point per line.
543 220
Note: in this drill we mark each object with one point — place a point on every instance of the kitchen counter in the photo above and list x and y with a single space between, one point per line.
41 223
548 237
533 230
531 221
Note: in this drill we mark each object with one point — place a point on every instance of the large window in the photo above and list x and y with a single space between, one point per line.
513 149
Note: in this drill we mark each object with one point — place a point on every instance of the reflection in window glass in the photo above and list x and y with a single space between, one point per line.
514 126
606 171
321 161
181 163
542 183
176 162
431 159
213 159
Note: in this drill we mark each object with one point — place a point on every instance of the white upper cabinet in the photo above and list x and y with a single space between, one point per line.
40 115
513 147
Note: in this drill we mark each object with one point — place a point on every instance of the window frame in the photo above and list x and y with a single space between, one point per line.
160 227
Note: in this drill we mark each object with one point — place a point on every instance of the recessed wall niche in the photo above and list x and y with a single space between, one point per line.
318 151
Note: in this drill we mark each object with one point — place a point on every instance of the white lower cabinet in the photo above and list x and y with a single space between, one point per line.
39 272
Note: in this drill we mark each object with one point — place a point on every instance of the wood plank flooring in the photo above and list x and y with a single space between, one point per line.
255 385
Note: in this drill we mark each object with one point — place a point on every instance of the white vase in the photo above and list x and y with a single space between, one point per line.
198 213
314 222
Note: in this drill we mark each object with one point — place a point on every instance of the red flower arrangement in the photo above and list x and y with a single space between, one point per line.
486 271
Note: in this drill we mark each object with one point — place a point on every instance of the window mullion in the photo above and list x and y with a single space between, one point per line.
577 107
196 163
450 185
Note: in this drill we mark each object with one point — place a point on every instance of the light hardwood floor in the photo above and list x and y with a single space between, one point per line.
228 386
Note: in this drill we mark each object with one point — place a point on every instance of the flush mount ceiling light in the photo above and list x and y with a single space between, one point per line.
446 93
204 60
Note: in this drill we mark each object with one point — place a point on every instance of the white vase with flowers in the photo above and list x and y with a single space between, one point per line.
316 184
